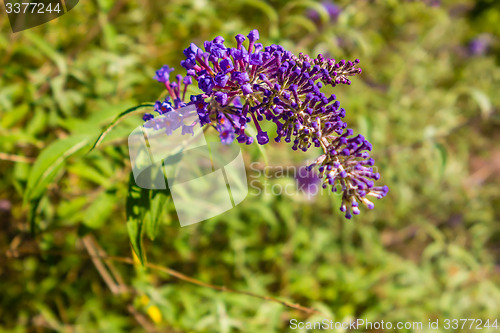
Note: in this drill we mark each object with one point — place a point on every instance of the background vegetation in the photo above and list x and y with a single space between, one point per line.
427 99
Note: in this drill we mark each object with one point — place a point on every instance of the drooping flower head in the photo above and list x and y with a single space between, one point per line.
252 84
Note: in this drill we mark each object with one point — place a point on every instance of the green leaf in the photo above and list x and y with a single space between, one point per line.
138 203
14 116
483 101
47 49
120 117
48 316
86 171
16 136
72 211
37 123
62 95
443 153
99 211
158 202
49 162
32 213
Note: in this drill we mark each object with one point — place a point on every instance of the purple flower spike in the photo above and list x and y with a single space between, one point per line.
262 138
247 89
206 83
218 50
163 74
147 116
227 137
256 59
226 65
253 35
221 98
191 50
240 39
218 40
240 77
225 129
221 79
268 83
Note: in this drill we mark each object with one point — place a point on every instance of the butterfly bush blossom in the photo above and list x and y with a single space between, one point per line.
253 84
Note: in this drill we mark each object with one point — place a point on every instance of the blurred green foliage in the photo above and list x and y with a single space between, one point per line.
430 249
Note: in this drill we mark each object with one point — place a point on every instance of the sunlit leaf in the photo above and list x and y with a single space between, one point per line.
138 202
158 203
49 160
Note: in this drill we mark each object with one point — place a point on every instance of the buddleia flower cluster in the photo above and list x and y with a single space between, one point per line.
252 84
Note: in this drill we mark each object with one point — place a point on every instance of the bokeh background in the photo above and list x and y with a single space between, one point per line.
428 99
